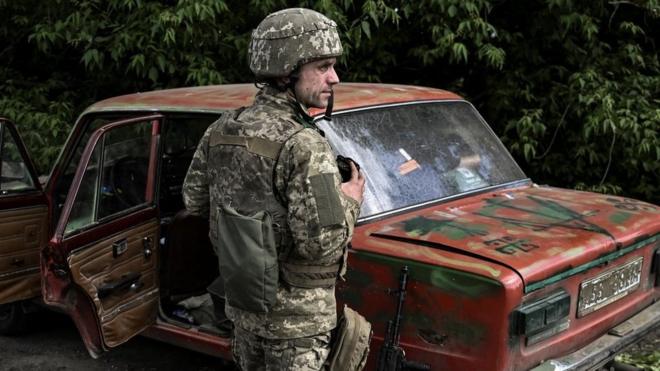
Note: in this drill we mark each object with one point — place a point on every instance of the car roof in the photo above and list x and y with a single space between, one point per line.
218 98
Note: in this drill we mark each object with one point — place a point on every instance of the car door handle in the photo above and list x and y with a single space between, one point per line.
127 281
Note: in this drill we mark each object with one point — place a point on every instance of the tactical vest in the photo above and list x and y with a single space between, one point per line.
253 240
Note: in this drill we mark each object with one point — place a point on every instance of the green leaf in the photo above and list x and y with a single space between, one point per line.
170 36
91 58
153 74
366 29
460 52
451 11
528 151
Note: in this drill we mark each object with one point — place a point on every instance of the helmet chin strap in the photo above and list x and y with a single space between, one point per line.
328 108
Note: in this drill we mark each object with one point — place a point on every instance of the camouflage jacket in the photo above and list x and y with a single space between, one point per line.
309 236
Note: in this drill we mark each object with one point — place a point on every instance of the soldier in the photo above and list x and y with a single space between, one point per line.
280 218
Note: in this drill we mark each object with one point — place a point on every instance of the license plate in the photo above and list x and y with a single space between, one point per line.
609 287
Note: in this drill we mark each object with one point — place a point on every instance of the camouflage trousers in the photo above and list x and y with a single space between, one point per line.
255 353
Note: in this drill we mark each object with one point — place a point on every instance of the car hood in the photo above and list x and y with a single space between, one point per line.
537 231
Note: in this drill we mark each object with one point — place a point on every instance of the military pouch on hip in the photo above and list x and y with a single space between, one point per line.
350 342
248 259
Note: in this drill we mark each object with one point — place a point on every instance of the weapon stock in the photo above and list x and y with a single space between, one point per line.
391 356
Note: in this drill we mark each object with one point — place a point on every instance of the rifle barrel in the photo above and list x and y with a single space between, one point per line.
403 282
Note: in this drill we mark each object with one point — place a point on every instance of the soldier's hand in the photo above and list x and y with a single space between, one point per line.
354 188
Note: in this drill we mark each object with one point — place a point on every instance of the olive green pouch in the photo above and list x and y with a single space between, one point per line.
350 342
248 259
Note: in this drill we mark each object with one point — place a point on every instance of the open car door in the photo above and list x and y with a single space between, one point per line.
101 266
23 223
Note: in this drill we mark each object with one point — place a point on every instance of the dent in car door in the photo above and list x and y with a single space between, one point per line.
101 265
23 219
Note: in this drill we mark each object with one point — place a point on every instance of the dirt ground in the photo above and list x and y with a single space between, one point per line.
55 345
650 344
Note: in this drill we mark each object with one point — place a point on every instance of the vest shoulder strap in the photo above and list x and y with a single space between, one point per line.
259 146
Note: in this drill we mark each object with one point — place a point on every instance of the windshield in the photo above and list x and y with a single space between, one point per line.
416 153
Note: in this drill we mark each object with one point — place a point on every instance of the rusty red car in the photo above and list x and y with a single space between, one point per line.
503 274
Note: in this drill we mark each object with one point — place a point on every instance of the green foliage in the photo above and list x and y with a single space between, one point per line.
580 92
44 111
645 361
571 87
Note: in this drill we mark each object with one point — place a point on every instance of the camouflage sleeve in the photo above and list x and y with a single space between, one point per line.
320 216
196 184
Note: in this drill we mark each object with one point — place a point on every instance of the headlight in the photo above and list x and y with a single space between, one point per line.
543 318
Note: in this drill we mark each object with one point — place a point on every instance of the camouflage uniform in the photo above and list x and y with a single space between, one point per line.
270 160
311 233
252 352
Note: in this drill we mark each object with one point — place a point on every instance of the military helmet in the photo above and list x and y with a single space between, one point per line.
289 38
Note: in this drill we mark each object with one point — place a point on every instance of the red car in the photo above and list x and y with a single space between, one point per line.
503 274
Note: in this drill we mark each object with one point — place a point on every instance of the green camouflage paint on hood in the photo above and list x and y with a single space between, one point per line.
543 233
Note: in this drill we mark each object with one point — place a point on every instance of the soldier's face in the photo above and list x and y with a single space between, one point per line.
315 82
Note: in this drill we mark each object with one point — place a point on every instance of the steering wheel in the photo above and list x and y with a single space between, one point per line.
128 180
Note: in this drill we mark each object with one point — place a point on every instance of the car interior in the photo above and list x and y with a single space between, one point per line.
189 277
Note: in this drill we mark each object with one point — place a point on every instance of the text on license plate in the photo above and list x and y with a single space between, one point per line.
609 287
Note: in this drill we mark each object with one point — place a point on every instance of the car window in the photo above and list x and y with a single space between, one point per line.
180 137
66 178
115 179
14 173
182 133
416 153
84 208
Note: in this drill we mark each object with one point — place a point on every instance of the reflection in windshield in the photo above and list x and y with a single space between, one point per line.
411 154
